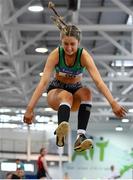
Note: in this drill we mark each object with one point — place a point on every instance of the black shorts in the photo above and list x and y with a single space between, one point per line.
41 174
56 84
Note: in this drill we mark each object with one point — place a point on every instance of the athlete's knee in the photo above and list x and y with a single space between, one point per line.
86 94
65 96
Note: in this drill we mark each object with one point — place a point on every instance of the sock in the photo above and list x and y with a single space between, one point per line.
64 112
80 131
83 116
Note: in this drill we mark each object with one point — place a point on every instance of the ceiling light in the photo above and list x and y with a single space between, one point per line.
125 63
8 166
44 94
48 109
41 74
8 125
130 20
35 8
119 128
50 122
125 120
41 50
5 110
122 73
130 110
42 119
52 163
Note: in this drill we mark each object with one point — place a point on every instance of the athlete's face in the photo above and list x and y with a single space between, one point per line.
70 44
44 152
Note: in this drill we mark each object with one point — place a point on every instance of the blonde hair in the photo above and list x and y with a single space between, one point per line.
68 30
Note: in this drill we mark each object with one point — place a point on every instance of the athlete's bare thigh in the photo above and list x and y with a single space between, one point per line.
56 96
83 94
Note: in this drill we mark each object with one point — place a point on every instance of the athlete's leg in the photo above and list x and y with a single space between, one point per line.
82 100
83 97
61 100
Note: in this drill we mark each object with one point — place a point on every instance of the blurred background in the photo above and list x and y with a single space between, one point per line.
27 36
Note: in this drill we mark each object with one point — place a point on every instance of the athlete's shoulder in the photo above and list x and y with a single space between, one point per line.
86 54
53 55
54 52
86 57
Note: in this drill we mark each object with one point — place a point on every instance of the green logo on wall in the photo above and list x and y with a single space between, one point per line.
102 145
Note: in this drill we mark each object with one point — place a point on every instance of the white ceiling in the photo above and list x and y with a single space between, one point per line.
105 35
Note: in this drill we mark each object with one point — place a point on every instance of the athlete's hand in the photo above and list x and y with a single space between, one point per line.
28 116
119 110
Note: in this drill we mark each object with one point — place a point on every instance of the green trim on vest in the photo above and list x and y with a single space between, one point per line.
61 57
74 70
77 63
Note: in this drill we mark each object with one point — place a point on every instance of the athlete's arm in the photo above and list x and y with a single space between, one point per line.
88 62
52 60
45 166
